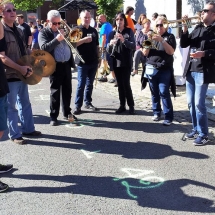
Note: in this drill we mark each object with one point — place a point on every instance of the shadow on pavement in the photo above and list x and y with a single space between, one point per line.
138 150
151 192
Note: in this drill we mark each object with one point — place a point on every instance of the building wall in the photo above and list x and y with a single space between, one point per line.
167 7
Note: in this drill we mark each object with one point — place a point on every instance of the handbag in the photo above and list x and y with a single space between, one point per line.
150 71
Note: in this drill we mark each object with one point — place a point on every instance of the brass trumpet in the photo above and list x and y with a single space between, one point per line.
189 22
72 36
149 43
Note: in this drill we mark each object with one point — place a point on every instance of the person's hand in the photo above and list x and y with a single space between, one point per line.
60 37
113 42
120 36
197 54
87 39
157 38
26 71
185 28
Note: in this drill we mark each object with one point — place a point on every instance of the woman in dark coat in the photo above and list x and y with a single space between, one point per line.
121 47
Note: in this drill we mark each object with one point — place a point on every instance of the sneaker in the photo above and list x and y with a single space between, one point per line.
167 122
34 133
3 187
77 111
91 107
200 141
131 111
121 109
19 141
53 122
5 168
112 80
74 117
156 118
192 135
103 79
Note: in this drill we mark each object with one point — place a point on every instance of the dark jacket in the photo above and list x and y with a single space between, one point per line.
3 81
47 42
123 51
205 43
13 50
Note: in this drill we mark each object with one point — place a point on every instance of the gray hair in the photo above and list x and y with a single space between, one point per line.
53 13
83 12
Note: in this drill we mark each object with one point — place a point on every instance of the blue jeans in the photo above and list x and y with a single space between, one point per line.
86 76
19 108
159 85
196 92
3 113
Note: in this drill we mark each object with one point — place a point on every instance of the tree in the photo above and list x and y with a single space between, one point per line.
109 8
25 5
197 5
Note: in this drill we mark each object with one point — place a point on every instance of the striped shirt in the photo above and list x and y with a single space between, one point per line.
62 51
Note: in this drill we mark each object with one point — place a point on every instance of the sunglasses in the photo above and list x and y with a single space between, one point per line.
119 19
205 10
56 23
10 10
159 25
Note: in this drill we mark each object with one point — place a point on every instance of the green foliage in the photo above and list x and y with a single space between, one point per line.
55 4
109 8
27 4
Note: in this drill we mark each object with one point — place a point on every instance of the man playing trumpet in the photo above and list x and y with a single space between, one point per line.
51 39
199 71
19 106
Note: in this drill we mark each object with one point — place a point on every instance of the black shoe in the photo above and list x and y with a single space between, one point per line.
91 107
103 79
33 134
121 109
5 168
131 111
3 187
77 111
53 122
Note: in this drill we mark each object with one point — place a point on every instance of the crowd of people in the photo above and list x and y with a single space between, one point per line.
123 46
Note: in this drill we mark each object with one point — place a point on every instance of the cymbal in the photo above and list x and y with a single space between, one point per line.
37 69
45 60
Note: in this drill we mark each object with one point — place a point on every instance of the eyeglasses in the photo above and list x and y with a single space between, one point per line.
119 19
56 23
206 11
159 25
10 10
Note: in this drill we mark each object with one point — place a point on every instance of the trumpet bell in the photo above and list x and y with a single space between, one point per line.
147 44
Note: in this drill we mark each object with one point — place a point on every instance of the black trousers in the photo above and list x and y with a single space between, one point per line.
123 75
61 79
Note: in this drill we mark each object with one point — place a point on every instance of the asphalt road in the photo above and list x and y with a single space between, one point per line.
106 165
